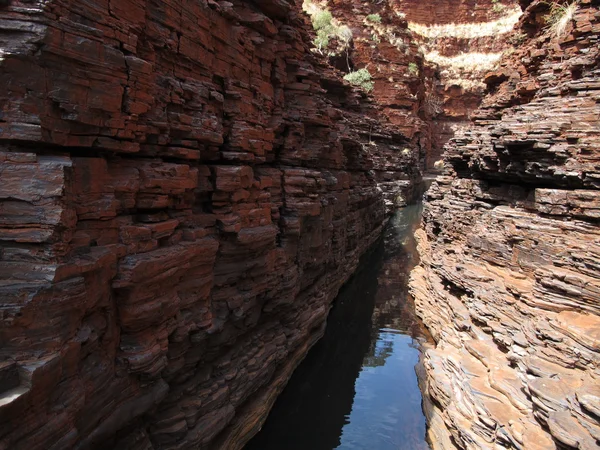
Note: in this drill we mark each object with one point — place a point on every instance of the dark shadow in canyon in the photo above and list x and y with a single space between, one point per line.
357 387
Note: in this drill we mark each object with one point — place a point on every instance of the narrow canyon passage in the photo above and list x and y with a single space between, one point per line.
358 387
195 203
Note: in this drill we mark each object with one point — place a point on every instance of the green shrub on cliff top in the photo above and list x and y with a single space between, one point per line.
322 20
361 78
376 18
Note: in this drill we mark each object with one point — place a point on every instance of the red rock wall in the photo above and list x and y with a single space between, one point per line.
452 35
184 189
386 50
437 12
509 282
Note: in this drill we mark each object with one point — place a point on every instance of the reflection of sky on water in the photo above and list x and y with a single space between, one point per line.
357 388
387 403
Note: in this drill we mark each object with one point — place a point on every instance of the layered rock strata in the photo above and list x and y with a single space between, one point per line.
461 40
183 190
381 43
509 279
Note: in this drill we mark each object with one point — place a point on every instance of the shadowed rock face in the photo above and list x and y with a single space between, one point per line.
184 188
509 281
385 48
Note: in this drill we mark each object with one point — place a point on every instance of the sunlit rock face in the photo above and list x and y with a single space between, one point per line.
509 280
461 40
372 37
183 189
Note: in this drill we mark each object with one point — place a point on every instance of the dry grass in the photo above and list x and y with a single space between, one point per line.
468 30
466 84
559 18
433 105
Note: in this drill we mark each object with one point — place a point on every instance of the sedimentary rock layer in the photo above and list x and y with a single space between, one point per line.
509 282
183 190
461 41
379 41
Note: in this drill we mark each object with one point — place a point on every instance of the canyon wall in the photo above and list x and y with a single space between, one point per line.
509 279
461 40
184 188
382 44
427 61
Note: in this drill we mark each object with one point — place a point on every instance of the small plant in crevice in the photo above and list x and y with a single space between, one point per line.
413 69
361 78
517 38
559 17
439 165
497 7
327 28
375 18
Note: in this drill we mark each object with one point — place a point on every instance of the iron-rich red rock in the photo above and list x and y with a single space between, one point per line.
509 282
184 188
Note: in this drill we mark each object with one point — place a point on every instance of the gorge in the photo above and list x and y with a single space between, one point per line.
186 185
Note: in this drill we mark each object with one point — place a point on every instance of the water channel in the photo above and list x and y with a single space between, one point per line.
357 387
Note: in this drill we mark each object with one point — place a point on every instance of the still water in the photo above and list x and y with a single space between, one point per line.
357 387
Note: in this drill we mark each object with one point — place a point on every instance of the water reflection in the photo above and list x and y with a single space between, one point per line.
357 388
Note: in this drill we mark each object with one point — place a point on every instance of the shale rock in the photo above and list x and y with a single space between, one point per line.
509 280
184 188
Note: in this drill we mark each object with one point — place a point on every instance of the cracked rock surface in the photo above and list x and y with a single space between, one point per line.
509 280
184 188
